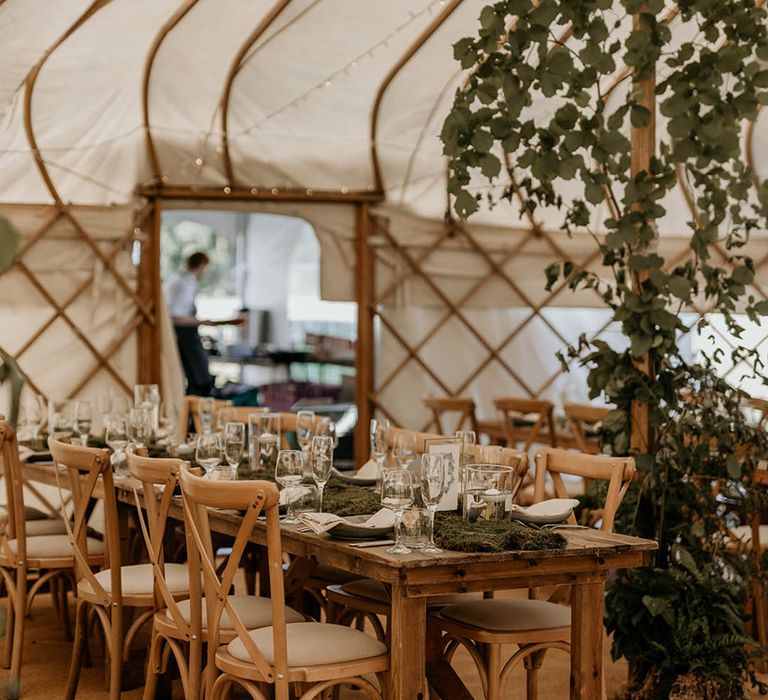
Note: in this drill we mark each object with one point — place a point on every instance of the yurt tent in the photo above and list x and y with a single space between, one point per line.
330 110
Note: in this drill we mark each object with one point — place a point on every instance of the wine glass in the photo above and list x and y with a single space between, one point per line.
289 471
205 407
169 423
322 461
264 436
433 486
148 396
140 422
379 445
305 421
328 427
116 437
60 418
83 421
234 444
397 495
32 416
404 449
208 452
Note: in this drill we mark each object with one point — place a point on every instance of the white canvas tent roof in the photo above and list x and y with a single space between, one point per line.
326 84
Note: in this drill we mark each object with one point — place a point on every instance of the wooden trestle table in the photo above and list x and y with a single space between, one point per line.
584 564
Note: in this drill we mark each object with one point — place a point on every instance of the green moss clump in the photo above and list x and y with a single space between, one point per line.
345 500
454 533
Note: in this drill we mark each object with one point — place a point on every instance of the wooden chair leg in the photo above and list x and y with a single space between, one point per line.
194 669
115 643
153 666
493 666
17 634
81 624
10 618
64 605
532 665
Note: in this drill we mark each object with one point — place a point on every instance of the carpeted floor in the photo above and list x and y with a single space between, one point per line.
47 655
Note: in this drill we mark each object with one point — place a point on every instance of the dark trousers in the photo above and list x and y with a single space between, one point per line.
194 360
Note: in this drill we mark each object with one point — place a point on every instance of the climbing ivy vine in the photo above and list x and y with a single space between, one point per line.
553 92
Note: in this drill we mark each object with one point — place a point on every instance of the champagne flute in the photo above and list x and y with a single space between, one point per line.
397 495
305 421
234 444
322 461
116 437
140 422
83 420
289 471
205 407
379 446
433 487
404 449
208 452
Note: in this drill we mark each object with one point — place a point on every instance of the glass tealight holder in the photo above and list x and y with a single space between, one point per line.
487 492
415 528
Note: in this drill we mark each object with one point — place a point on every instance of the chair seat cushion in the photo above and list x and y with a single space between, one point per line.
254 612
515 615
137 579
330 574
313 644
55 547
375 590
45 526
744 533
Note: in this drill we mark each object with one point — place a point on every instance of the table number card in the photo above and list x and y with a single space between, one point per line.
450 446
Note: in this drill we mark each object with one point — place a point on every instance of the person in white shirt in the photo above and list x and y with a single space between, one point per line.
180 290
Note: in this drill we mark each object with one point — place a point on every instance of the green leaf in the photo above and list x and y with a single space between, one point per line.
680 287
482 140
639 116
742 275
655 606
465 204
490 165
594 192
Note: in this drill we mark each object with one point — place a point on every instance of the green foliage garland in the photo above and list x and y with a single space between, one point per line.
673 621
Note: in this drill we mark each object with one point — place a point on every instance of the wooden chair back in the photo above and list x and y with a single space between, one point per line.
90 473
288 425
189 409
254 497
580 417
421 438
505 456
236 414
617 471
15 526
514 412
158 479
460 408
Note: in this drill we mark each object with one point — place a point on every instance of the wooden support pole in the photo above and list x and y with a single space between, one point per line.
149 335
643 150
365 346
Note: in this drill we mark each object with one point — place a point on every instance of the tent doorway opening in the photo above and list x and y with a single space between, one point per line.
292 347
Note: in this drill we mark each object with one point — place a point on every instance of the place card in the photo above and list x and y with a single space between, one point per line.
450 446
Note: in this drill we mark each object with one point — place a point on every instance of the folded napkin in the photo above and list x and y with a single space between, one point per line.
370 470
549 507
322 522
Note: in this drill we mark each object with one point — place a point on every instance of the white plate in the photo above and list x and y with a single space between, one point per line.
352 478
350 530
553 510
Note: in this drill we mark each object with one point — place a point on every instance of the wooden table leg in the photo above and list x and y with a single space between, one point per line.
443 680
407 657
587 641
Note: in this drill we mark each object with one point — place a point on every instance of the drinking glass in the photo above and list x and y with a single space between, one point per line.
379 446
304 498
234 444
169 423
205 407
328 427
487 489
305 421
116 437
32 415
60 417
148 396
397 495
264 438
140 423
415 526
404 449
322 460
208 452
467 437
289 471
83 421
434 469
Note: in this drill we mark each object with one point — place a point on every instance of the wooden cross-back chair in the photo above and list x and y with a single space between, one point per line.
483 627
581 419
109 591
316 656
460 408
29 555
180 625
189 409
526 420
367 599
